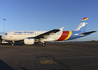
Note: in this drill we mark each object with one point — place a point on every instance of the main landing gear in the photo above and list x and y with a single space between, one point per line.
13 43
43 44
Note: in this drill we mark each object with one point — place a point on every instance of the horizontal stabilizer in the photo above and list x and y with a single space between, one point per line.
87 33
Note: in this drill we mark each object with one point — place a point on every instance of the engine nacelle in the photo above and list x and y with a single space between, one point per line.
28 41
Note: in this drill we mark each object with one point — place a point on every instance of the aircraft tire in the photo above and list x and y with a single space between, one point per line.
43 44
12 44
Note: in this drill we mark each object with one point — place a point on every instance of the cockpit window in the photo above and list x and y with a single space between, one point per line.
6 34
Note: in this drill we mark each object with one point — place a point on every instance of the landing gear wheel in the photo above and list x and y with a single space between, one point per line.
43 44
13 43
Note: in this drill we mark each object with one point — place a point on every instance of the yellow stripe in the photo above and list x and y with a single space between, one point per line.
70 33
85 19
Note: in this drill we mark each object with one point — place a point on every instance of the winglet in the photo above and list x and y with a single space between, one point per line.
61 28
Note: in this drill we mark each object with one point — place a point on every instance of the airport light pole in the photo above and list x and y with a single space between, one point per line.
4 25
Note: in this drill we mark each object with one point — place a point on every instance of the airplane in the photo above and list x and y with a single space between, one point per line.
30 37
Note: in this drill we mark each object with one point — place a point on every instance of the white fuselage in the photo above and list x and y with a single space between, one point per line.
21 35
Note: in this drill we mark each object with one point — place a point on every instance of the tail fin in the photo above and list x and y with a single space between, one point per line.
82 26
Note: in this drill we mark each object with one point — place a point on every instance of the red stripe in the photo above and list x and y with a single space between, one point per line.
84 18
63 36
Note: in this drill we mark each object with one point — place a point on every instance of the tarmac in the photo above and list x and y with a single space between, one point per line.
55 56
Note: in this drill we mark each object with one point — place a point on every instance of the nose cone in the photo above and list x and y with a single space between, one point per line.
3 37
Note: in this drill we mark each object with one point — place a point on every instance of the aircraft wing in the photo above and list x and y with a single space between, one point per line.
46 33
43 35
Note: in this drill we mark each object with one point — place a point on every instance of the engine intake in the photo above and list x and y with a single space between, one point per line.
28 41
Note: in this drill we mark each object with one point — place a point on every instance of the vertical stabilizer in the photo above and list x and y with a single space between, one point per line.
82 26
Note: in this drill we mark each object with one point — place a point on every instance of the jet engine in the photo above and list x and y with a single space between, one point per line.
28 41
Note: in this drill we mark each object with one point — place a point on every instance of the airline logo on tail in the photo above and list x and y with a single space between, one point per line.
82 25
85 19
